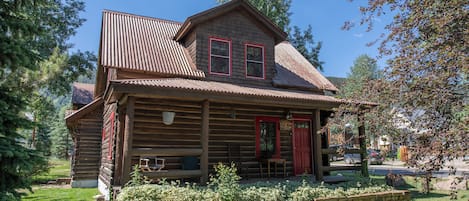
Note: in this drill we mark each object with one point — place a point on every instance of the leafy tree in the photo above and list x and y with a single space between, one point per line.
279 12
425 87
363 70
34 63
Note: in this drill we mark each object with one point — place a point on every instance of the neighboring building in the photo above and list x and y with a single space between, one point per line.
232 82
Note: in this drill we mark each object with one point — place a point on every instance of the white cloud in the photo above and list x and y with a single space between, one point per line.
358 35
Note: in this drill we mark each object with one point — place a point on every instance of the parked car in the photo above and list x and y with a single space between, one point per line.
374 157
352 158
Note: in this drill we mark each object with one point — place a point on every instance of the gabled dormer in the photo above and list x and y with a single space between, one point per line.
233 43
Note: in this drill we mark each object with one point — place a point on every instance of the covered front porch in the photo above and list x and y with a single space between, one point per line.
212 128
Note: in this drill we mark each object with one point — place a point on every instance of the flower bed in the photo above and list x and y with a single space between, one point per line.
225 187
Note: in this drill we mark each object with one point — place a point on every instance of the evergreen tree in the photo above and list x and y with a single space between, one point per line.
34 63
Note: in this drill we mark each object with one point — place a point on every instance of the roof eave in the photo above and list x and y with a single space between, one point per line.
72 118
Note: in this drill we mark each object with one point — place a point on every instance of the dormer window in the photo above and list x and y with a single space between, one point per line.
220 56
255 61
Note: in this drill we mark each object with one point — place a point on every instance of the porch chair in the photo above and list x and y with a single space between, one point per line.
235 156
146 165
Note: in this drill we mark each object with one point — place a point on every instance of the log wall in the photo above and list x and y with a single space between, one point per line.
87 144
108 140
150 132
228 123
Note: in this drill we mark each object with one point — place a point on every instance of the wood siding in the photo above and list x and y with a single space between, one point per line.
86 136
150 132
107 163
228 123
240 29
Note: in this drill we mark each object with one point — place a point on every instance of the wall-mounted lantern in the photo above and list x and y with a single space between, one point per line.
168 117
289 116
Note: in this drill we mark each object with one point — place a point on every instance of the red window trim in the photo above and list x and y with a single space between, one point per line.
111 134
213 38
246 60
258 135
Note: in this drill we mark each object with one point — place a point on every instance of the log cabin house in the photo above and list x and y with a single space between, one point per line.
232 83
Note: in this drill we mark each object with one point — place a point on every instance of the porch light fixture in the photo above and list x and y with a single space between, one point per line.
289 116
168 117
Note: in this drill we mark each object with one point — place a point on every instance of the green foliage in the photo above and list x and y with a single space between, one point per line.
69 194
17 163
224 186
424 87
225 182
364 69
167 192
57 169
136 178
60 137
305 44
34 64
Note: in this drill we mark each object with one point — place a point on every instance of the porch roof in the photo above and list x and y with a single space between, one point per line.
215 90
78 114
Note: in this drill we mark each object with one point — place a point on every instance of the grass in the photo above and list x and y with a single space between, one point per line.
435 195
58 169
415 188
57 193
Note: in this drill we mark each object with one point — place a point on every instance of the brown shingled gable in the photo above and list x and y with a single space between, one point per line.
198 18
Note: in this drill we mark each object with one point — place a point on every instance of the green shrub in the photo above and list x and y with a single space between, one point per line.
224 186
166 192
225 182
262 193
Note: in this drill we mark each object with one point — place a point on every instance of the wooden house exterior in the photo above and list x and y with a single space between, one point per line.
235 85
85 124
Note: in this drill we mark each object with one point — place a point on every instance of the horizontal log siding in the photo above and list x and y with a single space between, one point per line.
87 147
150 132
107 165
241 130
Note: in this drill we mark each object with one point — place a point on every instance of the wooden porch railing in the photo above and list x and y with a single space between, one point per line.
170 174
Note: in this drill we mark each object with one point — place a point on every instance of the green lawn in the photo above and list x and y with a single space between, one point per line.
58 169
435 195
415 187
56 194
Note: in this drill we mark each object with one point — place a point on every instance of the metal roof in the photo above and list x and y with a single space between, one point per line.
144 44
295 70
225 89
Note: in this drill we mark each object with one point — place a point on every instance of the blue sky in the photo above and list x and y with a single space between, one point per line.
340 48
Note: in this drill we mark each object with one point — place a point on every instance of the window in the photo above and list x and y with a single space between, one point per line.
220 56
254 61
267 137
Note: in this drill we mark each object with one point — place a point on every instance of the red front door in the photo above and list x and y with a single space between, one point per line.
302 147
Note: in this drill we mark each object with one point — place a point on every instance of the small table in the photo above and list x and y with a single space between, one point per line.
275 161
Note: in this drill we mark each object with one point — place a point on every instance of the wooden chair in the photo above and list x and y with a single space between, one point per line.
146 165
234 156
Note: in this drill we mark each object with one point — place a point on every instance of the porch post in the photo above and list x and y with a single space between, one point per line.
362 141
128 132
204 141
317 145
